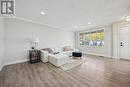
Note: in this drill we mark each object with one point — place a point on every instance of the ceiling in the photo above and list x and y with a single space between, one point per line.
72 15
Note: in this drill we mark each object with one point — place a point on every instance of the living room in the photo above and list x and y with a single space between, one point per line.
88 38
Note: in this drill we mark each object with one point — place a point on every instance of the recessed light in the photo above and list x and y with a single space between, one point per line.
42 13
89 23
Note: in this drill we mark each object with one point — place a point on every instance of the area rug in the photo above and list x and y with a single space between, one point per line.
72 63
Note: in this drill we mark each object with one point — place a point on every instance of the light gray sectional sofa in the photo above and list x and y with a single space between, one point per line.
56 56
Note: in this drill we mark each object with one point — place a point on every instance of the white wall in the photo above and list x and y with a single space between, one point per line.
1 42
19 36
105 50
115 41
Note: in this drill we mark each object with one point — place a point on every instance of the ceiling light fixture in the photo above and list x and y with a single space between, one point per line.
42 13
89 23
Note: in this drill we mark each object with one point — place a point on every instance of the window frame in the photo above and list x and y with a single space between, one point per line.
90 31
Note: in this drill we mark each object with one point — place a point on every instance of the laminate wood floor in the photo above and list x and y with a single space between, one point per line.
96 72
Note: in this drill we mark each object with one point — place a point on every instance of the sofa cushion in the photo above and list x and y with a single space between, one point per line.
49 50
67 48
68 53
58 59
58 49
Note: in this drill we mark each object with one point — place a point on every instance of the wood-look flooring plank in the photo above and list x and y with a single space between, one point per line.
96 72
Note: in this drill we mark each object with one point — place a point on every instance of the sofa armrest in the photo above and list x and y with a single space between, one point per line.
76 49
44 56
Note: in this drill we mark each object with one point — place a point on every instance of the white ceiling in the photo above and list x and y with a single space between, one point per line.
72 15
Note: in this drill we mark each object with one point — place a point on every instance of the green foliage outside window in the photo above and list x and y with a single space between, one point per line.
94 38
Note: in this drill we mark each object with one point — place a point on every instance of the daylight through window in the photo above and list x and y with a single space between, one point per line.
94 38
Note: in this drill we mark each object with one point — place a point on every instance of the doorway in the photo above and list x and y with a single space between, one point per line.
124 38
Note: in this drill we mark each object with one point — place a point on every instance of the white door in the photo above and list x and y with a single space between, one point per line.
124 43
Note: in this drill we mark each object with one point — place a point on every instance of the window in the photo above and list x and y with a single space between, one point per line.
81 38
94 38
86 41
100 38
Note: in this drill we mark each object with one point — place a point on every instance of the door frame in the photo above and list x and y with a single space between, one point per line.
116 38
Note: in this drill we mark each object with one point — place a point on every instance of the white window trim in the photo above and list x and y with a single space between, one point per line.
92 30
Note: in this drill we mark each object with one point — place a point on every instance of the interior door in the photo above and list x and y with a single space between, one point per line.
124 42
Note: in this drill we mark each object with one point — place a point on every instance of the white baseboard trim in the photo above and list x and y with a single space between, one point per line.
98 54
115 57
15 62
